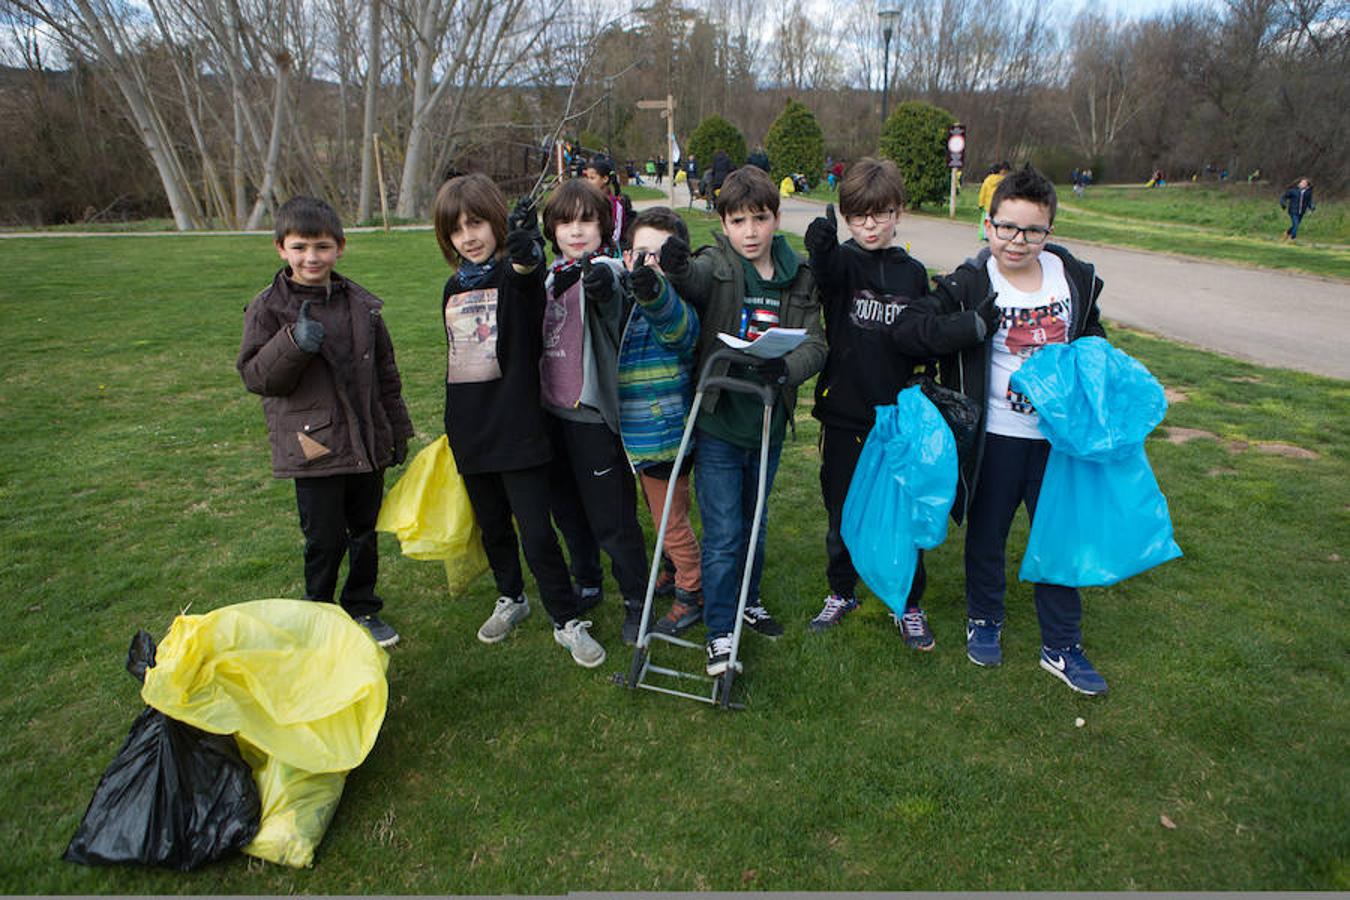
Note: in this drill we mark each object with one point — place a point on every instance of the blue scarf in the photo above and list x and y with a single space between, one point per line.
470 275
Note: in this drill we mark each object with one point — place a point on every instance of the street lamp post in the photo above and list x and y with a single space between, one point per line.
888 12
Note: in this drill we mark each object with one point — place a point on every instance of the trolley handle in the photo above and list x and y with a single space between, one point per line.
766 392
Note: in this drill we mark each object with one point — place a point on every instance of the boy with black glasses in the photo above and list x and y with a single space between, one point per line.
1042 298
864 284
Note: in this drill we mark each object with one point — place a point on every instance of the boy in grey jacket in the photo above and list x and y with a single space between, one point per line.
316 349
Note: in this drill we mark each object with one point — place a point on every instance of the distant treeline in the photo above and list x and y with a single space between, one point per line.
211 111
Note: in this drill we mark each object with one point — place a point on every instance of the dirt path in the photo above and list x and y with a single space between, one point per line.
1273 318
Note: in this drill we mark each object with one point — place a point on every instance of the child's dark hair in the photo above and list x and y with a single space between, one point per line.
747 189
661 218
871 186
1025 184
308 217
575 199
472 198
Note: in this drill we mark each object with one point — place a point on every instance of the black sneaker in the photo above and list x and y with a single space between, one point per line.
632 623
719 655
383 633
588 597
757 618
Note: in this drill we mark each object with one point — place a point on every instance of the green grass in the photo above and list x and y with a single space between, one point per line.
1239 224
134 483
645 192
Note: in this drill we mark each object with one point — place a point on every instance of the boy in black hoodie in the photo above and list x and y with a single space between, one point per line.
864 284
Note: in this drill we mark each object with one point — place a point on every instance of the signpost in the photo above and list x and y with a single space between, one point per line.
956 160
667 107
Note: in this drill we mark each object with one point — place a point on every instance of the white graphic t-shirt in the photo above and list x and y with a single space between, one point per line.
1030 321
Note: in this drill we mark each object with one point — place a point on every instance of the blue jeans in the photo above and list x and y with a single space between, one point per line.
1294 219
725 480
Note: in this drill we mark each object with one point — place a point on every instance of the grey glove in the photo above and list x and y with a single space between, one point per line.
307 333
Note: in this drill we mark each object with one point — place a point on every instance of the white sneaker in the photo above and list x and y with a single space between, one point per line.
586 650
508 611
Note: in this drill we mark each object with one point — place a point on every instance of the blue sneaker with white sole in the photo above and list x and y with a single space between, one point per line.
982 642
1071 666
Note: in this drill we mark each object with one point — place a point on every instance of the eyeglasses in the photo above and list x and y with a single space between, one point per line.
1007 231
880 218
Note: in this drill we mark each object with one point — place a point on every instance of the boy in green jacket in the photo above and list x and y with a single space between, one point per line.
745 284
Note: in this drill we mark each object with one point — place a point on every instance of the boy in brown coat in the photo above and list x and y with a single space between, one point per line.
316 349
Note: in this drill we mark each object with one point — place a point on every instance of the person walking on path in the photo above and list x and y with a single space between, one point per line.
1298 202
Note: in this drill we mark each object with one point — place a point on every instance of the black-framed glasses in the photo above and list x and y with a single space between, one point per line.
885 217
1007 231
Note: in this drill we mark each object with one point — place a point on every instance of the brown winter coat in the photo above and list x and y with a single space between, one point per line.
335 412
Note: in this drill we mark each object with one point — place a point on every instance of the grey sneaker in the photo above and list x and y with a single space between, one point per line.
505 615
586 650
383 633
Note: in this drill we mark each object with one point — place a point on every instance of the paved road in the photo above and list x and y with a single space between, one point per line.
1261 315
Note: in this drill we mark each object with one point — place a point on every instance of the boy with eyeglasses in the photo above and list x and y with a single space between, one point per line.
864 284
1042 298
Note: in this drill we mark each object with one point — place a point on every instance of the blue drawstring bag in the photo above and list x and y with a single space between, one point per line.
1100 517
901 492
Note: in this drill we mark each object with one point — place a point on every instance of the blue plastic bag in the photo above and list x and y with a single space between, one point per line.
1100 517
900 495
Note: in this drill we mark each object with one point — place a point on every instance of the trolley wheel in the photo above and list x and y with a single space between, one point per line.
724 688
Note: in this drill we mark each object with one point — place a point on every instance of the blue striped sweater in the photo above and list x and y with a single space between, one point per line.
656 376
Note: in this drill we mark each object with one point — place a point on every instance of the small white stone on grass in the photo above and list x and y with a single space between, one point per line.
1079 722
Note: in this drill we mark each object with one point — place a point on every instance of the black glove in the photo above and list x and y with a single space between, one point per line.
521 248
646 283
674 256
822 235
989 316
400 451
597 281
774 370
523 216
307 333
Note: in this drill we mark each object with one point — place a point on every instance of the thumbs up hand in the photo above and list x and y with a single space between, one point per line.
307 333
822 235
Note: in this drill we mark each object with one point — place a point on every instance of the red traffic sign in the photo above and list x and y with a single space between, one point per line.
956 146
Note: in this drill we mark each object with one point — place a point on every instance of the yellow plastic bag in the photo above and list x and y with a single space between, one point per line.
301 687
428 509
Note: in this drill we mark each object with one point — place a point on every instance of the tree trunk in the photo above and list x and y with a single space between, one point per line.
264 201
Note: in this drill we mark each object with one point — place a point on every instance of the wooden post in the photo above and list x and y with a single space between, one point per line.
379 182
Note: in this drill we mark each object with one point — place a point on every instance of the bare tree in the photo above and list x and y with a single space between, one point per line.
1104 90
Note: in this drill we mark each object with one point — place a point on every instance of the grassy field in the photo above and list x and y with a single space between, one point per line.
135 484
1238 224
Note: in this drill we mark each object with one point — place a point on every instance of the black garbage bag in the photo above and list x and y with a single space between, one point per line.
961 413
175 796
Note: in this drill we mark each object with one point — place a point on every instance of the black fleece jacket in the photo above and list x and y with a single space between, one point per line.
873 349
499 425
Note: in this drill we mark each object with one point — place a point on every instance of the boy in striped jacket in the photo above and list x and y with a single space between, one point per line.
656 387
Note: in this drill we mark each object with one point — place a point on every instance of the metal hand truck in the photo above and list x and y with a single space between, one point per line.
718 691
